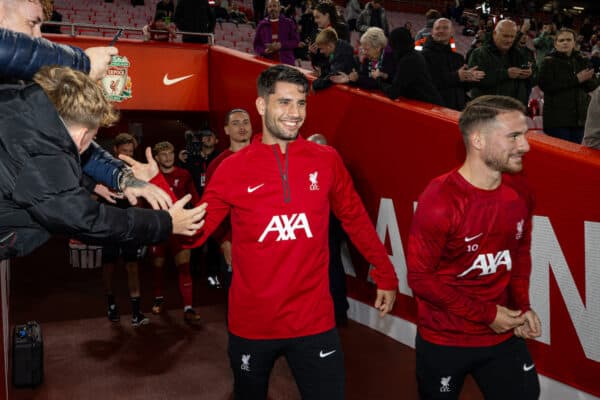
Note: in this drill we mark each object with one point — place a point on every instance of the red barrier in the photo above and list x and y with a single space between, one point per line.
163 76
393 149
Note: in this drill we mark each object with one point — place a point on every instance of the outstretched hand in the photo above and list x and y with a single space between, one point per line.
143 172
187 222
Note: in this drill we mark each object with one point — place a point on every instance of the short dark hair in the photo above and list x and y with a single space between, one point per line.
124 138
433 14
485 109
231 112
279 73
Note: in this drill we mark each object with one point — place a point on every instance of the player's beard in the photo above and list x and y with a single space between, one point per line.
275 128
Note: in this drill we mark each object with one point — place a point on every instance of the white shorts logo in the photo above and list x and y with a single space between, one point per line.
245 362
445 388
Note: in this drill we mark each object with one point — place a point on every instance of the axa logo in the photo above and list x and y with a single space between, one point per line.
286 226
488 263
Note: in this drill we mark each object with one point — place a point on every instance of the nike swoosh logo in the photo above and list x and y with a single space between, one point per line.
169 82
468 239
323 355
252 189
528 367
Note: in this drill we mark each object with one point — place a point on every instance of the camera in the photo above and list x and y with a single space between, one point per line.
193 143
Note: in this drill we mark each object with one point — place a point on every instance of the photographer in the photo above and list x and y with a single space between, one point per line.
200 150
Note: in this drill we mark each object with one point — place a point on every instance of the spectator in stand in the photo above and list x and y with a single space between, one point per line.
507 71
377 65
476 43
587 29
180 182
126 144
595 60
326 16
194 16
239 130
54 17
236 16
307 29
352 13
411 77
221 10
447 68
166 7
276 36
566 77
431 16
591 137
341 59
544 43
373 15
159 30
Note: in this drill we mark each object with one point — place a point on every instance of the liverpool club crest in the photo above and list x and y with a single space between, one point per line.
117 83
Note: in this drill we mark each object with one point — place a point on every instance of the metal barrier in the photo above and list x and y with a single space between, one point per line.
74 27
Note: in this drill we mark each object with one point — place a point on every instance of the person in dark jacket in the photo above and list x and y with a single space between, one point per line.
194 16
325 16
566 78
378 63
43 129
22 54
446 67
373 15
507 71
411 77
341 58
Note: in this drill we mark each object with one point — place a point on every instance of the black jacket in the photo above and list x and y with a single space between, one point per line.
495 65
194 16
443 65
21 56
411 78
342 61
566 100
40 190
385 64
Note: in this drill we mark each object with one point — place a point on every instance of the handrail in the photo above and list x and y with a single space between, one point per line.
76 25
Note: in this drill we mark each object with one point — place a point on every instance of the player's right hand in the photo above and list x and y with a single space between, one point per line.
506 319
187 222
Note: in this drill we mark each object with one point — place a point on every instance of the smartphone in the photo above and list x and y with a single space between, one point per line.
525 66
116 37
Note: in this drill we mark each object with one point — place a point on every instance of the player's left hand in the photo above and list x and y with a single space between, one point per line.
532 328
141 171
385 301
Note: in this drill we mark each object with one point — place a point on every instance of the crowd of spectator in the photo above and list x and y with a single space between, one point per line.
539 60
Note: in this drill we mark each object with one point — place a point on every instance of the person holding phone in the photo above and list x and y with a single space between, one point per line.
566 77
503 64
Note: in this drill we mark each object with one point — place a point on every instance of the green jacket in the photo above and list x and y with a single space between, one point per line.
495 65
543 44
565 99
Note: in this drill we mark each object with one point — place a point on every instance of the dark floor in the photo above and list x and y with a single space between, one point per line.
88 357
